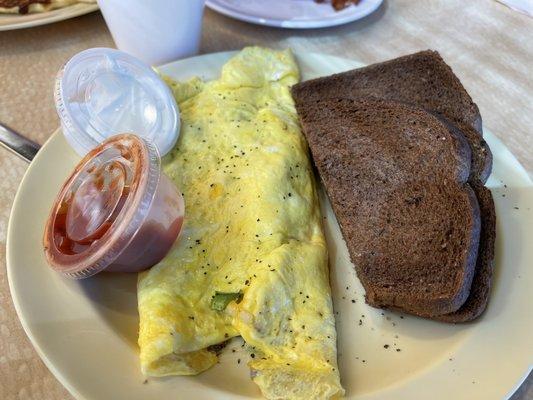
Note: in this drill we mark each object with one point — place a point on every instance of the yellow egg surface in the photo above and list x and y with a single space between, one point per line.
251 259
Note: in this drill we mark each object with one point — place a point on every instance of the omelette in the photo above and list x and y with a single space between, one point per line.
251 260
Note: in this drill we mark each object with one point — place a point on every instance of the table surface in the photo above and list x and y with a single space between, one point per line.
489 46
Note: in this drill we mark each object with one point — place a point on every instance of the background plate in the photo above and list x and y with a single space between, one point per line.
295 14
17 21
86 331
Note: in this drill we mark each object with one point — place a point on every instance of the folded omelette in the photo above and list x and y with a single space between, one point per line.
251 260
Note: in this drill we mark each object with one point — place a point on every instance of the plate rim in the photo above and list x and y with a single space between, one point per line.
280 23
12 290
517 167
49 17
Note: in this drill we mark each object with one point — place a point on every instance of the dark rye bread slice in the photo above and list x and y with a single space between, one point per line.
482 282
396 177
422 79
478 298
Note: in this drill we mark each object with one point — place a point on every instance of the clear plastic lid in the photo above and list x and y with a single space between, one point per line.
101 92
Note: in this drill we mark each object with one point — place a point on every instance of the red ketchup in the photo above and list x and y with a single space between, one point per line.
116 212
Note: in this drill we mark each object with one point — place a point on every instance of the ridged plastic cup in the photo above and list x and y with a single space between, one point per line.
116 212
102 92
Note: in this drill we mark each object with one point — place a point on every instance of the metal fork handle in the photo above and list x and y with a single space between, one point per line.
18 144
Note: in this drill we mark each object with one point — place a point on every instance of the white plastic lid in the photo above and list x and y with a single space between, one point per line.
101 92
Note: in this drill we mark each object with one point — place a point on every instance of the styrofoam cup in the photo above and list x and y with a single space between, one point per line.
155 31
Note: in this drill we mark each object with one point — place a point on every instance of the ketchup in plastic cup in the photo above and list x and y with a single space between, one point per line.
116 212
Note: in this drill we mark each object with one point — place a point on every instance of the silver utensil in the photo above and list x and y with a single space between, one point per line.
18 144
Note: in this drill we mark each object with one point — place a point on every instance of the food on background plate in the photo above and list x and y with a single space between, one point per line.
116 212
419 224
36 6
252 258
340 4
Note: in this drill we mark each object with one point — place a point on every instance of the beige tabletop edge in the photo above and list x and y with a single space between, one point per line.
489 46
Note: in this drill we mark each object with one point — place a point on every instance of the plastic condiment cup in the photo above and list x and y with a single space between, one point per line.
155 31
116 212
102 92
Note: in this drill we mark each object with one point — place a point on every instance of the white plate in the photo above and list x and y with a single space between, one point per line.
17 21
295 14
86 331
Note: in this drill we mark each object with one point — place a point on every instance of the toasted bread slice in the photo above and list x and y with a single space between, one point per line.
396 176
478 298
422 79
